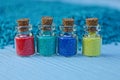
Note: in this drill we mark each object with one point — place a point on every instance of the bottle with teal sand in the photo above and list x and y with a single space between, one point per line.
91 43
46 39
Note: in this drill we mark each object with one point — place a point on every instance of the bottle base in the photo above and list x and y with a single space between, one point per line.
46 55
26 55
67 55
91 55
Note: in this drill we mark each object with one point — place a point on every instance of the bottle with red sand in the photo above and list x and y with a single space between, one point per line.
24 40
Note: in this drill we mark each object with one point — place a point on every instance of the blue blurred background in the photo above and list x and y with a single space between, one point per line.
108 12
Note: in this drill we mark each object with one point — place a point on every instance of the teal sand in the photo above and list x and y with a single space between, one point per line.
46 45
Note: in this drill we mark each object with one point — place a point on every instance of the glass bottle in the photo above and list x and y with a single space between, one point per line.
91 45
46 39
67 40
24 40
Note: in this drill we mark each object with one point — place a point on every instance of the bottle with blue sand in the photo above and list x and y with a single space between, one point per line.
46 39
91 43
67 40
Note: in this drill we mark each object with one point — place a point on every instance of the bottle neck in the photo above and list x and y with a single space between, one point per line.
67 30
46 33
67 33
92 31
46 30
24 30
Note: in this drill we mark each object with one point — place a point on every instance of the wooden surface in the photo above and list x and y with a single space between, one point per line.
105 67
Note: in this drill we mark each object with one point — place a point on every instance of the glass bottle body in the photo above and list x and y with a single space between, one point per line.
67 43
91 42
46 41
24 42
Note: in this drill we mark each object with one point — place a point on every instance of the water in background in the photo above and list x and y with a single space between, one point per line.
10 11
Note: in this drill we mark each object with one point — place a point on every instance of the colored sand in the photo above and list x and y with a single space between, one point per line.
25 45
67 45
46 45
91 46
34 10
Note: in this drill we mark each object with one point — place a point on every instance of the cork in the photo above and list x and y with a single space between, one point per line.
47 20
68 24
92 22
23 24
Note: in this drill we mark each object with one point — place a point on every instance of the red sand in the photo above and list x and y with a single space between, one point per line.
25 45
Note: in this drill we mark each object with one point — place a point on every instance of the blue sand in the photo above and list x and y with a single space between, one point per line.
67 45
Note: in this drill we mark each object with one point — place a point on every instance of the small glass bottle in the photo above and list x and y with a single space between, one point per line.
91 45
46 39
24 40
67 40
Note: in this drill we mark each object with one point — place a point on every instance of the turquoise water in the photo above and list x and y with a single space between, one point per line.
46 45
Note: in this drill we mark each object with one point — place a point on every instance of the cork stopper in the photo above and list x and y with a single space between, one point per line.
47 20
46 23
68 24
92 22
23 24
